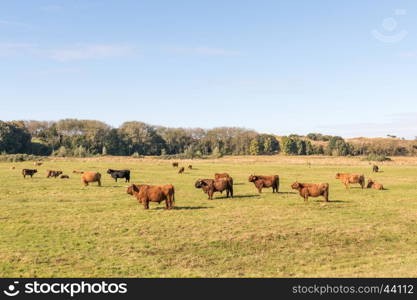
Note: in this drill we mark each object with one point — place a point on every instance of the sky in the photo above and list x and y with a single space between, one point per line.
345 68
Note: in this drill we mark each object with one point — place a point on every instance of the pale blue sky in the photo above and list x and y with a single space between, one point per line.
347 68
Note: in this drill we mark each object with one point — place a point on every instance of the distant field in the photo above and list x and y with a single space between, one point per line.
59 228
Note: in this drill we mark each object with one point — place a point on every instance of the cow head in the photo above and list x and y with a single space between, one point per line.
109 171
36 170
132 189
337 175
200 183
296 186
252 178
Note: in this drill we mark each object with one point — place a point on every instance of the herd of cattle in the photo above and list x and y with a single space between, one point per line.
221 182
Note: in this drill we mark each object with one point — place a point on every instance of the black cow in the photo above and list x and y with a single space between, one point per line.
119 174
28 172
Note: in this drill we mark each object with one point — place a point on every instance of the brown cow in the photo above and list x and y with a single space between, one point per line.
12 168
210 186
64 177
153 193
181 170
52 173
223 175
37 163
261 181
78 172
375 169
190 167
91 177
346 178
175 164
28 172
373 185
312 190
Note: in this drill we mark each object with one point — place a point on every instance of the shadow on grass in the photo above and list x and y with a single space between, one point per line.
236 197
185 207
287 193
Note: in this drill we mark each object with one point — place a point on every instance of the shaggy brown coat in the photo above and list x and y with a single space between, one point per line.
374 185
89 177
210 186
153 193
312 190
346 179
262 181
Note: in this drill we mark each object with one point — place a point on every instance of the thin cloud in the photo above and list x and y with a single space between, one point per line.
206 51
72 53
90 52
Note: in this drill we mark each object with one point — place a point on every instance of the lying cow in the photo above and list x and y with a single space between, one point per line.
78 172
180 171
210 186
153 193
175 164
64 177
261 182
37 163
29 172
52 173
346 179
374 185
375 169
89 177
312 190
119 174
190 167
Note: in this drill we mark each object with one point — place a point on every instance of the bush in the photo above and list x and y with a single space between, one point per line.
20 157
376 157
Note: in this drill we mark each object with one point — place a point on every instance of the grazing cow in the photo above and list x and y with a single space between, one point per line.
373 185
261 181
175 164
89 177
78 172
181 170
190 167
210 186
12 168
375 169
52 173
351 178
64 177
119 174
312 190
37 163
153 193
28 172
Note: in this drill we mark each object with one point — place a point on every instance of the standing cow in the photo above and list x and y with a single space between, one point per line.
89 177
312 190
210 186
175 164
180 171
346 179
119 174
29 172
262 181
375 169
153 193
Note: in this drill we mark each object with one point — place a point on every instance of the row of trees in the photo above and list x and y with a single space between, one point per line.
71 137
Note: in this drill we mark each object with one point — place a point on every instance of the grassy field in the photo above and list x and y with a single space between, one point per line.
59 228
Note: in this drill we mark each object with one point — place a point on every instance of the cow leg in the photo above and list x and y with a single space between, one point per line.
99 183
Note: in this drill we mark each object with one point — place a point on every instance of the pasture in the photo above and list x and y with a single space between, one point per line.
59 228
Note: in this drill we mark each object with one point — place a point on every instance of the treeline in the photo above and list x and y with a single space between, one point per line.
82 138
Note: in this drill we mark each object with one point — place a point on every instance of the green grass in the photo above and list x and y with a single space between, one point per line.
59 228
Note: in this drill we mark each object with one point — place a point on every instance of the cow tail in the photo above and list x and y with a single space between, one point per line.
173 194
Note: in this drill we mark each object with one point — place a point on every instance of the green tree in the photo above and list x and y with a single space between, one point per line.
254 147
